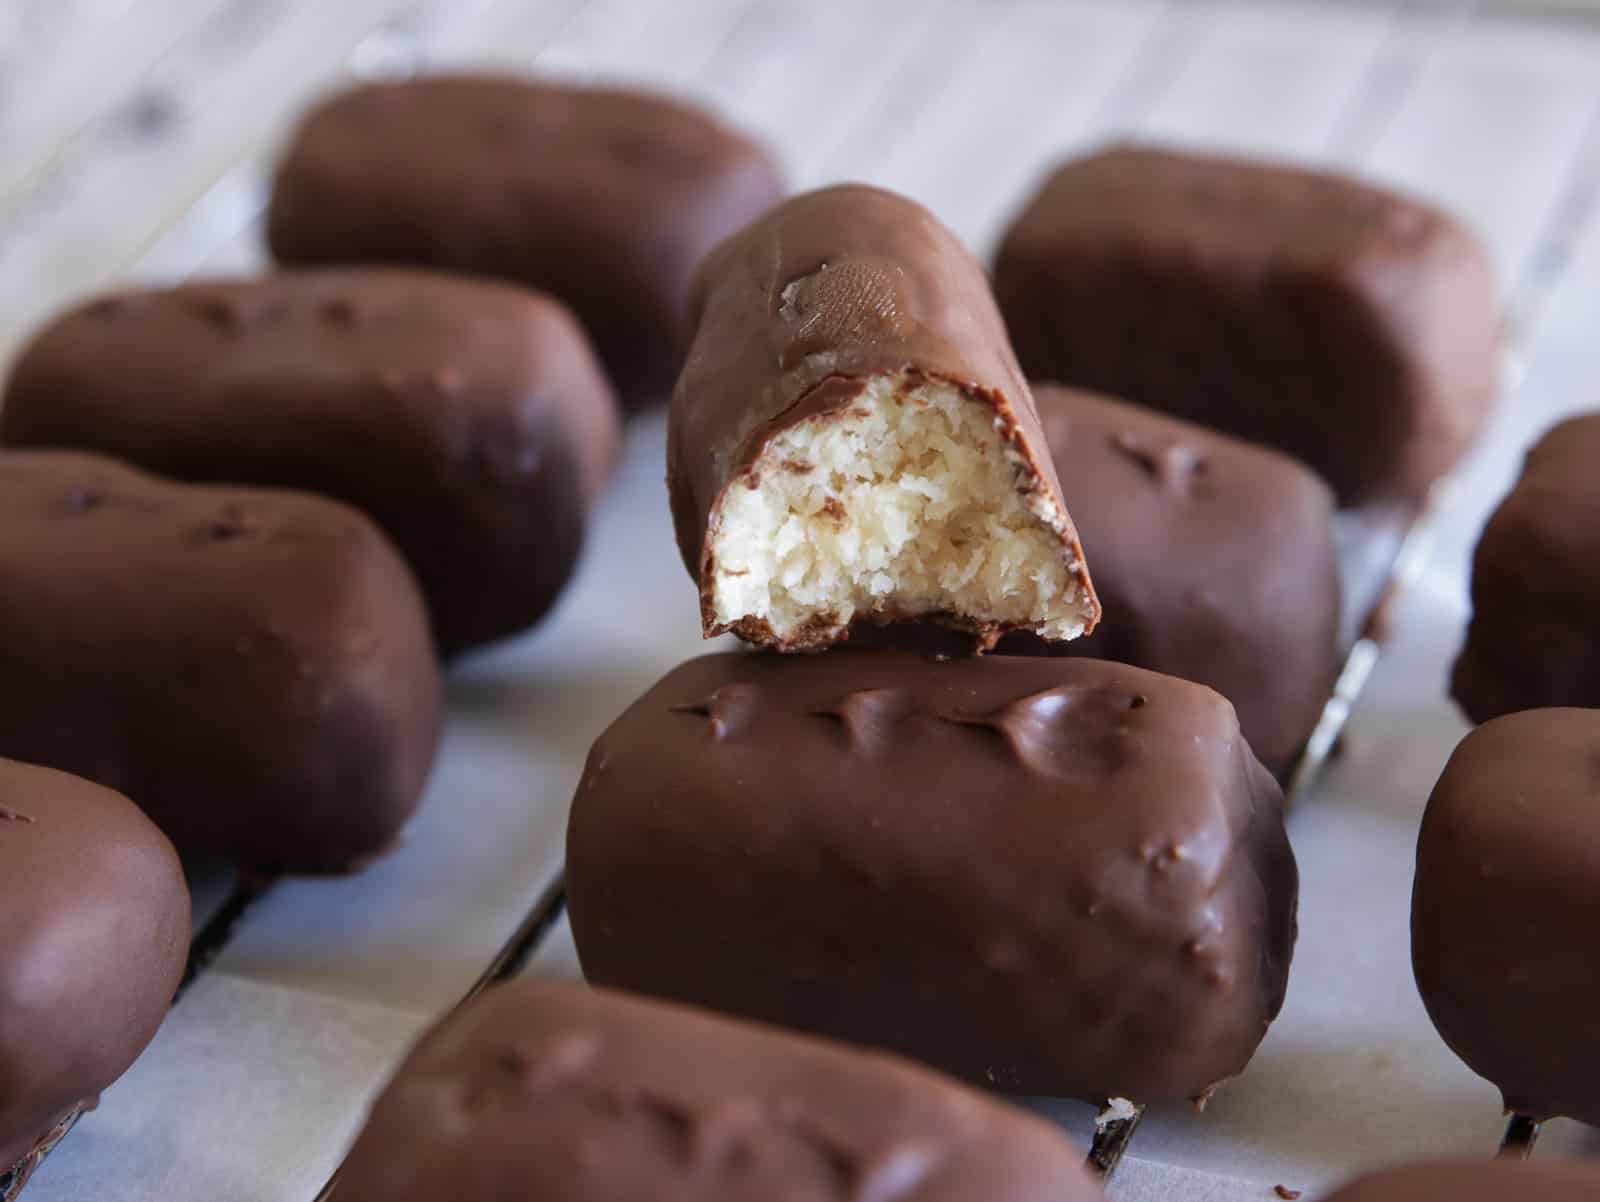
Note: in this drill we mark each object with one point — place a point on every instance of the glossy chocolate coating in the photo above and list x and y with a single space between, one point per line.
469 419
1349 326
566 1094
1213 556
1505 915
793 316
1533 640
1051 876
1478 1181
252 667
604 198
94 929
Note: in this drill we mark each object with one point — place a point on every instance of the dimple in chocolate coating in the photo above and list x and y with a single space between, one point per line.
468 418
1505 912
1478 1181
566 1094
1349 326
1214 558
795 314
1051 876
605 198
1533 640
252 667
94 929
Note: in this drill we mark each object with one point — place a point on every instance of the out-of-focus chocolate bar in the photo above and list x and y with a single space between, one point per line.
1349 326
605 198
1534 639
1505 916
1478 1181
1050 876
469 419
94 928
851 440
566 1094
252 667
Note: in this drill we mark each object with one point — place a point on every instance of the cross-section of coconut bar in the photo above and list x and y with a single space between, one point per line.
852 441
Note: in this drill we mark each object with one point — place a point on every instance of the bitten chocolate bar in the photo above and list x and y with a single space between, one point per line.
605 198
253 668
1049 876
1505 914
1354 328
566 1094
851 440
1534 640
469 419
95 932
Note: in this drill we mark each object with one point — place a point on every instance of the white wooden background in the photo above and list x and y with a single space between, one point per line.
134 137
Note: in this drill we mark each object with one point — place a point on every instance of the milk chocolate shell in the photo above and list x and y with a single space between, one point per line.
1213 556
566 1094
1534 640
1049 876
1478 1181
1505 915
94 929
1352 327
252 667
469 419
605 198
851 440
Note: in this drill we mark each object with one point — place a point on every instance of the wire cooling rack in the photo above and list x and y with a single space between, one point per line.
1171 76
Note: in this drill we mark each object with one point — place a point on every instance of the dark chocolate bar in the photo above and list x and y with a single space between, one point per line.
1214 558
566 1094
1505 917
1534 640
1050 876
605 198
93 939
1352 327
252 667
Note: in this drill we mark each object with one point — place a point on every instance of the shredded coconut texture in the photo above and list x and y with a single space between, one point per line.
908 503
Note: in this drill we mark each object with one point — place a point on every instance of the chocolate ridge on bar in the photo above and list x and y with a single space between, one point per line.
1505 911
1353 327
1214 556
1478 1181
94 931
851 438
605 197
1536 585
1048 876
252 667
468 418
566 1094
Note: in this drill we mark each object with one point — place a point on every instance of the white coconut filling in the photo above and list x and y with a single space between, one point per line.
908 503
